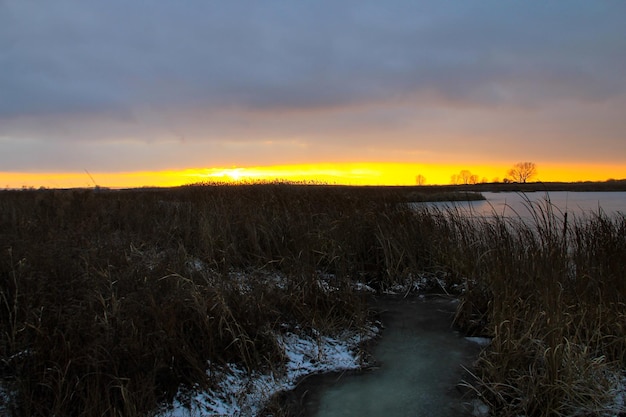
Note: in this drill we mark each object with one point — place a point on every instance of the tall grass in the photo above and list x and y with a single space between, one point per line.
110 301
552 295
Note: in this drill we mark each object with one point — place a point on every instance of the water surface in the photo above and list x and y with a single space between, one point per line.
419 358
512 204
577 203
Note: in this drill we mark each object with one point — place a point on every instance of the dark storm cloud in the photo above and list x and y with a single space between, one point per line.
75 56
144 71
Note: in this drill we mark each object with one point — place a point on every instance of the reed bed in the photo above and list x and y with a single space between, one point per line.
110 301
552 296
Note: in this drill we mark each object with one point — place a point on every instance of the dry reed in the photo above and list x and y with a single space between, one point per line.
112 300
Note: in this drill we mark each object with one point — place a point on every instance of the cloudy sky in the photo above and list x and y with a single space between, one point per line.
163 85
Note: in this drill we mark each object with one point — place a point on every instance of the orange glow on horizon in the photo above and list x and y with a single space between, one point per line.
365 173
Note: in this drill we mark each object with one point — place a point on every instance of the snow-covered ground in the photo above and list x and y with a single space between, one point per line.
240 393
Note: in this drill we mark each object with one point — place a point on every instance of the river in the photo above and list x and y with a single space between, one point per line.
419 364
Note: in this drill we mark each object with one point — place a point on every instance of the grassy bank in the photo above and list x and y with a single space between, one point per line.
111 300
552 295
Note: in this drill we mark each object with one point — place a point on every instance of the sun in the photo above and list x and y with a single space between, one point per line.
235 174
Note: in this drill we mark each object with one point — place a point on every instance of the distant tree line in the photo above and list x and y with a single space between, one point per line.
521 172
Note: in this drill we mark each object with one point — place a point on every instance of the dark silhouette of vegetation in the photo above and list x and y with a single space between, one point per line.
508 186
522 172
464 177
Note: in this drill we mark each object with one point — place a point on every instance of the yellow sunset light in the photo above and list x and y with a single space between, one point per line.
362 173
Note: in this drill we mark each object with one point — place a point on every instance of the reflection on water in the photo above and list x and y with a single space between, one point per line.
419 358
511 204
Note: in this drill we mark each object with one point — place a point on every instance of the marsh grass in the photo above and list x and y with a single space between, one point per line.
551 294
111 301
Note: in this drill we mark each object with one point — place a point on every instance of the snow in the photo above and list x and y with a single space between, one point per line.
5 400
479 408
480 341
240 393
618 394
359 286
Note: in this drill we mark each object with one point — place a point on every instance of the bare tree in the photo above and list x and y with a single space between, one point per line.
466 177
420 179
523 171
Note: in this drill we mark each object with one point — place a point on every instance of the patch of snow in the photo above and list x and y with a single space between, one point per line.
479 408
242 280
618 394
196 265
7 389
325 286
6 399
240 393
481 341
359 286
322 354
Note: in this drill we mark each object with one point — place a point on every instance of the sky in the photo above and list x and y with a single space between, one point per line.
164 92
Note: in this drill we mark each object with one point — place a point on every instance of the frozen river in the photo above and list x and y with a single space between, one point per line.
420 356
420 359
